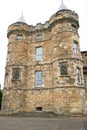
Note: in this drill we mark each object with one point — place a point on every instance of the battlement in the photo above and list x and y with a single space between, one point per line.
58 17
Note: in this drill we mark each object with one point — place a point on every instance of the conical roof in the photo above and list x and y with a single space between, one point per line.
21 19
62 6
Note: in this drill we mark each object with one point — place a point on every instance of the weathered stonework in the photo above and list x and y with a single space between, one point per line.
59 93
84 56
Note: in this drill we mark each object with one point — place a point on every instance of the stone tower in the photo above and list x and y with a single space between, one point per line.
44 70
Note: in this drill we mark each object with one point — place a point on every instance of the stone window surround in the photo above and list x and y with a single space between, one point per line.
75 47
19 37
78 75
16 73
73 26
38 52
63 68
38 37
8 56
38 78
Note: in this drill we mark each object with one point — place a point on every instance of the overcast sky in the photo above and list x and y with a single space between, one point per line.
36 11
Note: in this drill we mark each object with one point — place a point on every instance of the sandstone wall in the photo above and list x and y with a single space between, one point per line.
59 93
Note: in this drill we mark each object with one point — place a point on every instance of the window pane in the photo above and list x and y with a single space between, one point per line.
39 54
19 37
78 76
75 48
38 78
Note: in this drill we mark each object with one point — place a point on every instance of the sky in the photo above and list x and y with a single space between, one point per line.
36 11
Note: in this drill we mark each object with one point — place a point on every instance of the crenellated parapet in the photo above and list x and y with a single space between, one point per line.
58 18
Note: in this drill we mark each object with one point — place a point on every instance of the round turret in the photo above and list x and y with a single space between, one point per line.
17 40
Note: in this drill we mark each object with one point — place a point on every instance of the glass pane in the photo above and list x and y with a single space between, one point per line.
19 37
39 54
75 48
78 76
38 78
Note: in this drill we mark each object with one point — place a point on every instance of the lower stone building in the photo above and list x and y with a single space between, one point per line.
84 56
44 66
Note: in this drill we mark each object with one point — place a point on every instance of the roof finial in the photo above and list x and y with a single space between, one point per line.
62 6
21 19
62 1
22 13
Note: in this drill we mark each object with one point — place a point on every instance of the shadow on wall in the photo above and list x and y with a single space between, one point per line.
0 97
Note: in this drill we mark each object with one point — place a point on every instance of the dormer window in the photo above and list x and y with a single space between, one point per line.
19 37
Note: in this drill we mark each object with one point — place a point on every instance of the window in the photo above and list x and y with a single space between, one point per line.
73 27
85 70
19 37
38 37
78 73
38 78
39 54
16 73
75 48
8 56
63 68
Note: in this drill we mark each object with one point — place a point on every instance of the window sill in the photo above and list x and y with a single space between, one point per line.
39 62
13 80
80 84
64 76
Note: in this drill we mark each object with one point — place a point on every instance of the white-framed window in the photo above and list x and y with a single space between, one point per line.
38 78
75 48
38 53
19 37
78 76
